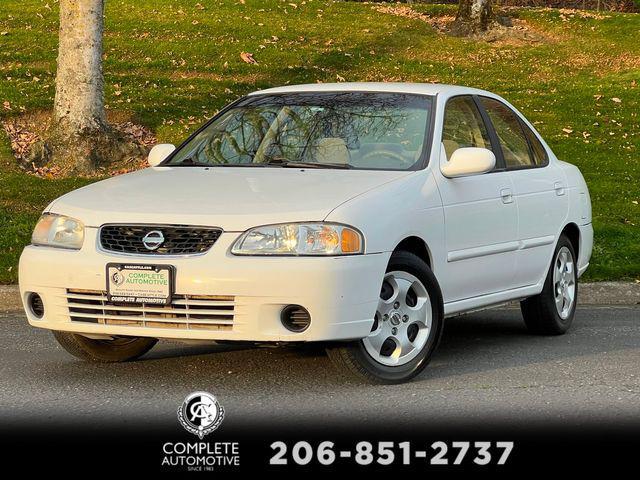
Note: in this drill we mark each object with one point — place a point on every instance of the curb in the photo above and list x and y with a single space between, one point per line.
597 293
10 298
609 293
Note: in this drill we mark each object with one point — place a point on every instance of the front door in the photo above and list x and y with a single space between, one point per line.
481 222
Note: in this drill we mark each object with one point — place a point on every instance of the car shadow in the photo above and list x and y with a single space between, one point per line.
473 343
173 349
497 339
477 342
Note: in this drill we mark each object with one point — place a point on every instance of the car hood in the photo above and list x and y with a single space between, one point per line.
234 199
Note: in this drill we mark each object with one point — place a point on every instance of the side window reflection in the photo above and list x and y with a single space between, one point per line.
463 126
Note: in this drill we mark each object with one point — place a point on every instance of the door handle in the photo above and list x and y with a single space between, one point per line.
559 188
507 195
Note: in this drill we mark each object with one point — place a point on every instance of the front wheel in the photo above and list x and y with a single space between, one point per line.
406 328
118 349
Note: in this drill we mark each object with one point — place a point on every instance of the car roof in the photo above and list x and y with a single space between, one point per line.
415 88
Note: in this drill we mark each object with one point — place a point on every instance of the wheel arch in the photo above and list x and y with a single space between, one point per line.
417 246
572 231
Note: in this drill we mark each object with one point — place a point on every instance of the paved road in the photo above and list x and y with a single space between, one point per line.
487 369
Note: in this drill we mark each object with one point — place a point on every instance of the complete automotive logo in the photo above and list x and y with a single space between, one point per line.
200 414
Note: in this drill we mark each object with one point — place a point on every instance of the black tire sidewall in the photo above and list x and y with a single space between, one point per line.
117 353
549 289
102 351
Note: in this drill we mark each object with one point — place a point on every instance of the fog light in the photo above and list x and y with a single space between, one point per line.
295 318
35 305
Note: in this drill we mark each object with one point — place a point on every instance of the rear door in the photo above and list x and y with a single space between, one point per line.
539 189
480 214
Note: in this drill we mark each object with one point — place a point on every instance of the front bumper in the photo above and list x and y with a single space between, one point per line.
340 293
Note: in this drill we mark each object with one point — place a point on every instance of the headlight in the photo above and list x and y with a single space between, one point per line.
300 239
58 231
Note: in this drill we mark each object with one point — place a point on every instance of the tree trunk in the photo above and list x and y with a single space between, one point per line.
78 139
79 102
473 16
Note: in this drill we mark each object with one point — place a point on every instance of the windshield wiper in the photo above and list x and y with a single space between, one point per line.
345 166
277 161
190 162
287 164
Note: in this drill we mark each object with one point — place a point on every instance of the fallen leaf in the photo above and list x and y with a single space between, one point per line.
567 130
616 100
248 58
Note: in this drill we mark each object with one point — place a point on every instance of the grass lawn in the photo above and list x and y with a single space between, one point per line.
172 64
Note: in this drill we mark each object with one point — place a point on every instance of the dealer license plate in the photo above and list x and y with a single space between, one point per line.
151 284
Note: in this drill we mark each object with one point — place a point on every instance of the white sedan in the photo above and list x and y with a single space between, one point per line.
359 215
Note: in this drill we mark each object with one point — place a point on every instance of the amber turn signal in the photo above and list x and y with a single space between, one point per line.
350 241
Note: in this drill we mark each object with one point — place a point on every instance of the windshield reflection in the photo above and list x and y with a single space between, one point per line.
364 130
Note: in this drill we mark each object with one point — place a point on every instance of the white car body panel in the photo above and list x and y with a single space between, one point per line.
541 199
261 288
259 196
475 204
489 238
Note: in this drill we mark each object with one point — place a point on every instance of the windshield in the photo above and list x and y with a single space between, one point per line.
363 130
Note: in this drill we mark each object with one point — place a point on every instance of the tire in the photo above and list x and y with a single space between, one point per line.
120 349
416 313
542 313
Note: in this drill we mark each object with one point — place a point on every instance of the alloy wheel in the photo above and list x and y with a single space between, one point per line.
402 322
564 282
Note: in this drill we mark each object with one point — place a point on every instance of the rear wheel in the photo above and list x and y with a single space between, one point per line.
118 349
406 327
552 311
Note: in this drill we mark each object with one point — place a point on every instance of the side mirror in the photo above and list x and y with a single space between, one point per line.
469 161
159 152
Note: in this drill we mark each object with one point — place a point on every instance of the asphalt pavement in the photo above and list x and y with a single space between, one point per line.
488 368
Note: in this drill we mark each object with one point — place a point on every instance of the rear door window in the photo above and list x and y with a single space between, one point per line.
514 144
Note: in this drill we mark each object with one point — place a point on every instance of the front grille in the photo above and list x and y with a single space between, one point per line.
202 312
178 240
